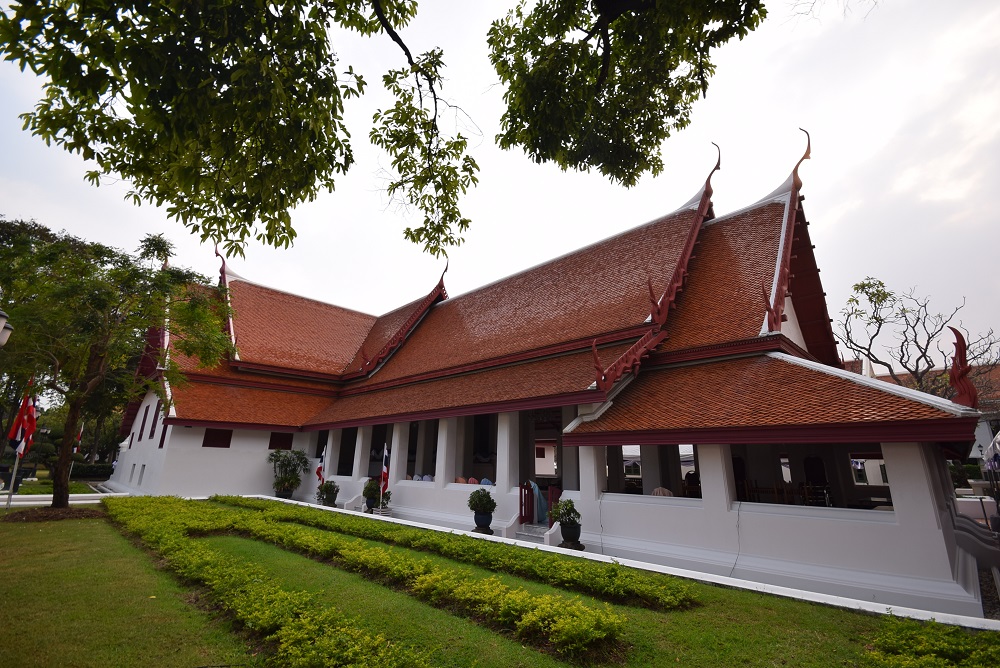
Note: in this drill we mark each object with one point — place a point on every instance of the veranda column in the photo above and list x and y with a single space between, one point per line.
332 453
718 485
593 472
917 499
616 468
447 450
652 467
569 465
421 465
398 451
508 449
362 452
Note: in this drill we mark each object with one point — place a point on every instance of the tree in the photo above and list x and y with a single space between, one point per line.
82 312
231 113
903 335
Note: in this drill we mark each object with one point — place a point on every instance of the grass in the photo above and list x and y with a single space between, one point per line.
730 628
45 487
452 640
77 593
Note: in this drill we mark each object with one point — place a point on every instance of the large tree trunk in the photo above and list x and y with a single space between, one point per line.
60 475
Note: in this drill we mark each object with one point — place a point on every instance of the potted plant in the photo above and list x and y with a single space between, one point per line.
288 465
482 504
568 517
372 495
326 493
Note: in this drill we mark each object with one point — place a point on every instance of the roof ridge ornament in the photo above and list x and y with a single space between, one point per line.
793 182
222 270
705 194
966 393
805 156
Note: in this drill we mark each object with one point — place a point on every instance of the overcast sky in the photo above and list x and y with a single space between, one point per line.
902 102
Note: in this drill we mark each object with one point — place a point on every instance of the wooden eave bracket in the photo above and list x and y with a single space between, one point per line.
631 359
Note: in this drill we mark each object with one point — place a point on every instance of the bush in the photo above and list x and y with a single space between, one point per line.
288 465
609 581
481 501
564 512
92 471
326 493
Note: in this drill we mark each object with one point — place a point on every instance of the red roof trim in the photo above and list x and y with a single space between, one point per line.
582 397
284 371
257 384
548 351
436 295
181 422
774 342
631 359
895 431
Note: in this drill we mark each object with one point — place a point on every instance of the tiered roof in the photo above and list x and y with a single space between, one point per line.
687 308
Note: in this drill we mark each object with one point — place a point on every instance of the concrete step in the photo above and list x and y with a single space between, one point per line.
532 533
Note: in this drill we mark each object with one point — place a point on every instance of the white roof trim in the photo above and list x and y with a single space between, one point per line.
777 263
891 388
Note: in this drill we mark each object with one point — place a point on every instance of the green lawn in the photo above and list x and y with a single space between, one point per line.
730 628
44 486
77 593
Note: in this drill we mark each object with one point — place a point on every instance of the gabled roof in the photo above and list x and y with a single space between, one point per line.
278 331
546 382
599 291
772 398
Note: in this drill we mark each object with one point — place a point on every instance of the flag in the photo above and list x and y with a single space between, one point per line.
22 432
79 441
319 474
384 485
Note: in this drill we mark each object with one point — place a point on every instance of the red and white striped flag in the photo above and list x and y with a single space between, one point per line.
79 441
22 432
384 483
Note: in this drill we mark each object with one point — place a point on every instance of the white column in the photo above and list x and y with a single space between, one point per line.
718 485
593 472
651 468
508 450
362 452
447 450
332 454
398 451
569 465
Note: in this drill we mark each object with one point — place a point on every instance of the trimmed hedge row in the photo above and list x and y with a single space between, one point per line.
608 581
567 625
307 634
570 626
905 643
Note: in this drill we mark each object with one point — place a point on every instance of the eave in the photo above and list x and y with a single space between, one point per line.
896 431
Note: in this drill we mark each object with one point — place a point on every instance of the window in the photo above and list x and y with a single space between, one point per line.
145 415
156 414
280 441
321 439
163 436
142 472
217 438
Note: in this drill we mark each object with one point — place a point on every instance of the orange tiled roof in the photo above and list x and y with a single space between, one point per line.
278 329
246 406
536 379
597 290
758 392
722 298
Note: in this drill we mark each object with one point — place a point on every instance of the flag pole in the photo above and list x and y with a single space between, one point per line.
13 478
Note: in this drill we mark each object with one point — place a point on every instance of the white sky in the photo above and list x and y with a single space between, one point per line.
903 106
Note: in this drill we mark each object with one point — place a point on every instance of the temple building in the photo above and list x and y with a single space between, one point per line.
679 381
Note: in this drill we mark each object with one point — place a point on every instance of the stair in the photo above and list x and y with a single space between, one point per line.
532 533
